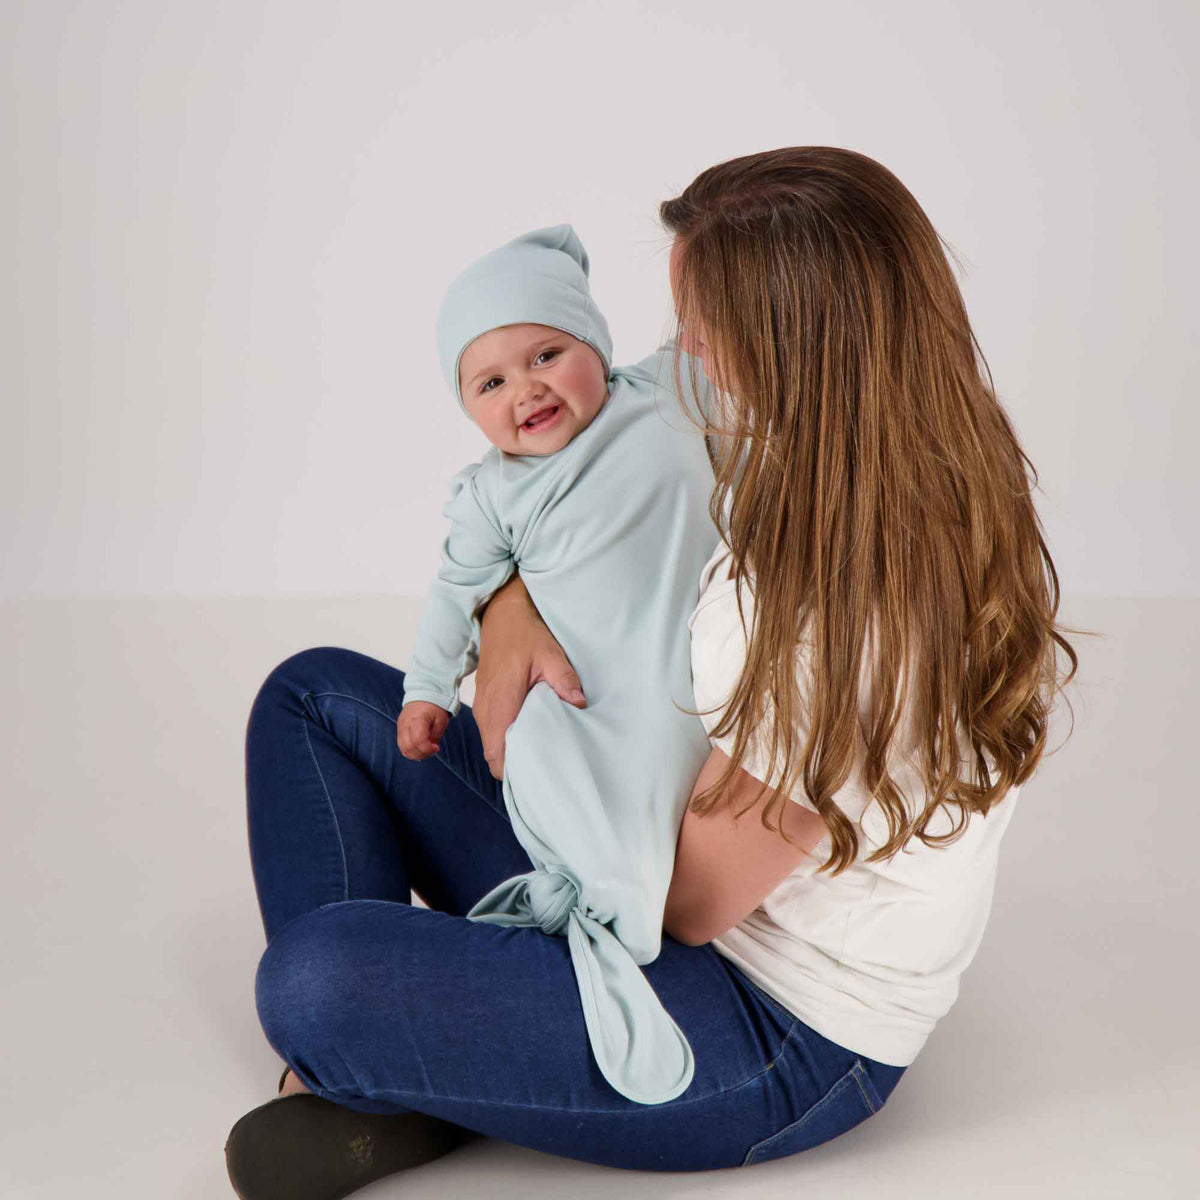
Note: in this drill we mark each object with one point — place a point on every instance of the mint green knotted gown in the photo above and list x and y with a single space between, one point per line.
610 535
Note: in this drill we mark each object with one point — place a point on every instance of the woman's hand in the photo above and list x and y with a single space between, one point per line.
516 650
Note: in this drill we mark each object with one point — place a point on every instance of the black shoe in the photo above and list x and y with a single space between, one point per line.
303 1147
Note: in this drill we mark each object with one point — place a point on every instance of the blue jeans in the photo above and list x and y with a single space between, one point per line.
385 1007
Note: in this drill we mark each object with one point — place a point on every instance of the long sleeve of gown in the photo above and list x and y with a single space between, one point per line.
477 559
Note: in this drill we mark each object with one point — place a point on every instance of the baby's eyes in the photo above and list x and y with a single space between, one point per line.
487 386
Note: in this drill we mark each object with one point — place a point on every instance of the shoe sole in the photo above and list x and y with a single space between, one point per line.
303 1147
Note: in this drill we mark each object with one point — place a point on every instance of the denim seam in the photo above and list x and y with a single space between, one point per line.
329 802
765 995
856 1071
353 699
387 717
793 1126
332 1093
474 790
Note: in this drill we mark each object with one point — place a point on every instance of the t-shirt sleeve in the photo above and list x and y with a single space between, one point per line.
850 798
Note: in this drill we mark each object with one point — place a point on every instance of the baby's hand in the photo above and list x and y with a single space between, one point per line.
419 729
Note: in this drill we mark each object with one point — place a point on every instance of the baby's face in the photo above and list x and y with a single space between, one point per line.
531 388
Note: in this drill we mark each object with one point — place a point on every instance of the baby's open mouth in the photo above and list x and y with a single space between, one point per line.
542 417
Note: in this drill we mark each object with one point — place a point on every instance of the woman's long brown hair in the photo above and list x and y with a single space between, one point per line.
882 500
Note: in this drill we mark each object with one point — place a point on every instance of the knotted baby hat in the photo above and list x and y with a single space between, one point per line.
539 278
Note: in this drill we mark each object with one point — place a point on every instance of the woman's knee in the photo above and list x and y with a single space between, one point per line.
309 669
305 975
317 669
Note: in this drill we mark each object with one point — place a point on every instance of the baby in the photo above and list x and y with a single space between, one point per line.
602 502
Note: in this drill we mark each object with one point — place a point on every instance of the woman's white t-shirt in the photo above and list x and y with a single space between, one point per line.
870 958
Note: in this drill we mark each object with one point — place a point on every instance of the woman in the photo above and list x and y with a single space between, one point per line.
883 582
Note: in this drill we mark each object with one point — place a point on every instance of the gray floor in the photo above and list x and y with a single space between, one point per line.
1068 1067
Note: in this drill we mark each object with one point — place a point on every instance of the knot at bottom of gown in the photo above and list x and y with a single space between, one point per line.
637 1045
551 896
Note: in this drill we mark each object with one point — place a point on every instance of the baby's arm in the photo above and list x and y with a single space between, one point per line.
476 560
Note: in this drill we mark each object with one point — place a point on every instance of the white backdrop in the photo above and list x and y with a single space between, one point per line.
227 227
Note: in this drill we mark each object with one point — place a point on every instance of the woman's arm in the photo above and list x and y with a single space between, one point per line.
726 867
516 650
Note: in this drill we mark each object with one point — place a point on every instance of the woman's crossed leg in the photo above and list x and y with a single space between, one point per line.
384 1007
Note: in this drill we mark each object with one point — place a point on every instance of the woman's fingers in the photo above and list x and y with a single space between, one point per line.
560 675
495 710
516 651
